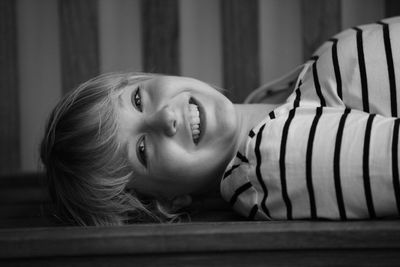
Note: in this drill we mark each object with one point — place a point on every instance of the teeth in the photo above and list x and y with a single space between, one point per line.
194 119
193 109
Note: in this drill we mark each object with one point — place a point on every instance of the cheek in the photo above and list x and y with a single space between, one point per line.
173 160
183 167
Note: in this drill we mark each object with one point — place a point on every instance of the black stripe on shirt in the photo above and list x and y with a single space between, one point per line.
271 115
253 212
366 176
390 66
238 191
336 165
251 134
317 84
229 172
336 67
258 171
395 163
242 157
296 102
310 188
282 165
363 72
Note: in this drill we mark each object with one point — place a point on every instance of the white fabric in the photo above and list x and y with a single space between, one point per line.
331 151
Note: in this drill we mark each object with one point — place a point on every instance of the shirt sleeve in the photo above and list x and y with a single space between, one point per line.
358 68
327 163
330 151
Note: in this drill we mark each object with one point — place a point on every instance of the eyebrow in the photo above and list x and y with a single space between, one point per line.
123 86
130 83
121 100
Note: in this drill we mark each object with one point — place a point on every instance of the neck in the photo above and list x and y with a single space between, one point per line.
249 115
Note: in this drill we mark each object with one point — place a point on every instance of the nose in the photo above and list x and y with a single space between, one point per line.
164 120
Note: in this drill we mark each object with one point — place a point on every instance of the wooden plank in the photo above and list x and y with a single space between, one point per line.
321 20
120 35
23 179
160 29
28 222
23 188
392 8
150 239
372 10
39 73
307 258
9 97
280 38
24 195
24 210
200 34
240 47
79 41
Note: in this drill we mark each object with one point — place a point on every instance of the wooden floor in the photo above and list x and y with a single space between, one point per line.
215 237
368 243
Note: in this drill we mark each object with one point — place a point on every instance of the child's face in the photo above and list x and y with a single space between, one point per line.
180 134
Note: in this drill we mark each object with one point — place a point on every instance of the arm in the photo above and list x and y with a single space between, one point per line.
330 163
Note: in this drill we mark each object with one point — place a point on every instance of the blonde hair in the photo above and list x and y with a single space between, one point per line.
86 168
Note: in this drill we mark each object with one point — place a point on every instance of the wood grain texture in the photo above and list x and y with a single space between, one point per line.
229 243
392 8
24 201
36 222
9 96
340 242
240 45
79 41
321 20
160 29
307 258
23 188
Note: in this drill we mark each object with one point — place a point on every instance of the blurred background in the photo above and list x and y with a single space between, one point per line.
48 47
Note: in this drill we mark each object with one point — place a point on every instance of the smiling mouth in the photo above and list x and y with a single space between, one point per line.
194 120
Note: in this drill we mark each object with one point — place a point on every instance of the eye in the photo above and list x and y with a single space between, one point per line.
137 99
141 151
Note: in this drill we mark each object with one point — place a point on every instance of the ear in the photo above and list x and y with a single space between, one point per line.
177 203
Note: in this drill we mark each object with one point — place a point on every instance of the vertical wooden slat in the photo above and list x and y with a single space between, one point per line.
79 41
9 106
280 38
392 8
160 28
240 47
372 10
321 20
39 71
120 35
200 36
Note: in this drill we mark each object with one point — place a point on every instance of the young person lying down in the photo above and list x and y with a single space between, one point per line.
131 147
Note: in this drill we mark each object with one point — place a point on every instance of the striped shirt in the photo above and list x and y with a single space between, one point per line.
331 151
